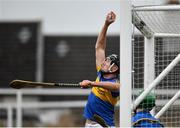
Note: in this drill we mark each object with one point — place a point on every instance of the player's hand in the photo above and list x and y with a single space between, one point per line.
110 18
85 84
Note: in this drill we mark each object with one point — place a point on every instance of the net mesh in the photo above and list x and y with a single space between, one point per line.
165 50
161 21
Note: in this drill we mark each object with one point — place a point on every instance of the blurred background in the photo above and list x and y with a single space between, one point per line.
52 41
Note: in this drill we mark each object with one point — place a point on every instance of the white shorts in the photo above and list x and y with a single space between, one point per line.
92 125
96 125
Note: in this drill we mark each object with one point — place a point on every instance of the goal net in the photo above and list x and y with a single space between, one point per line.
156 44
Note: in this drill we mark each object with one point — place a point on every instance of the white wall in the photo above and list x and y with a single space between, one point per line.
65 16
0 9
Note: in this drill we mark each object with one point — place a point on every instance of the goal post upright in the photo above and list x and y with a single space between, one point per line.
125 63
149 68
149 63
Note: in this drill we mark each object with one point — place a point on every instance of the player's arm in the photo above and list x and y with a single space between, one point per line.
107 85
101 40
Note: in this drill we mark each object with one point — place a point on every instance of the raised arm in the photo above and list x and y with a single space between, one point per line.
101 40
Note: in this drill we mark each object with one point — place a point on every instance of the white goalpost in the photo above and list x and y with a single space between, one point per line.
155 60
126 64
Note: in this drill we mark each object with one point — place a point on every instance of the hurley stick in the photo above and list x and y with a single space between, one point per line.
17 84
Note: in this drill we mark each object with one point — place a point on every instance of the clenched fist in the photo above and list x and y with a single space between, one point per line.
85 83
110 18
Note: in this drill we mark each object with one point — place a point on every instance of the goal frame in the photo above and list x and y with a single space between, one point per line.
126 70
